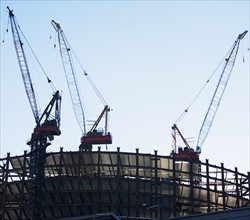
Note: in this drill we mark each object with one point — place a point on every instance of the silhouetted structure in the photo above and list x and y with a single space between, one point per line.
135 185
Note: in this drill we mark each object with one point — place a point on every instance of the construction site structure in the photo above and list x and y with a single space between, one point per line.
130 185
68 185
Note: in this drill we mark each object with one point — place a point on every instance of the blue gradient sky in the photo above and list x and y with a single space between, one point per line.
149 59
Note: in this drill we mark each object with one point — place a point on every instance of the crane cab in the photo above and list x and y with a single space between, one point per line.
94 138
50 127
185 154
97 137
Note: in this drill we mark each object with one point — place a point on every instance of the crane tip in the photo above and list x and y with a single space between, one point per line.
240 37
10 11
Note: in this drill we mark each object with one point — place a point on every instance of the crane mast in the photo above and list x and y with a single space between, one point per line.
93 136
219 91
47 126
40 140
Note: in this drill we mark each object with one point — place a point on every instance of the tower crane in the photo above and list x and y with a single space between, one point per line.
93 136
47 126
188 151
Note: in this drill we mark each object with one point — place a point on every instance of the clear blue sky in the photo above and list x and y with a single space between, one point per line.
149 59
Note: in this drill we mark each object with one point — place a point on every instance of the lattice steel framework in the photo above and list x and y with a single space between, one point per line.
126 184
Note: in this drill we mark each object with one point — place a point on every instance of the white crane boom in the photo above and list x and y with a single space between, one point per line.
217 96
93 136
71 77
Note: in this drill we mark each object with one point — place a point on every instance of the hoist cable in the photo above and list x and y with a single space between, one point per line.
6 25
88 77
94 87
201 90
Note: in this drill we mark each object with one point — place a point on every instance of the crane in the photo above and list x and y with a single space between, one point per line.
93 136
219 91
188 151
47 126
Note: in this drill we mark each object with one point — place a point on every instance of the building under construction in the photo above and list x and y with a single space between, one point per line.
88 184
129 185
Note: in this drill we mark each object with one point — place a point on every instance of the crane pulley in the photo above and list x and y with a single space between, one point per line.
189 152
47 126
93 136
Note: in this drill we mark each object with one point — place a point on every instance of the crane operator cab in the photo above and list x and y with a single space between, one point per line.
96 135
94 138
182 153
49 127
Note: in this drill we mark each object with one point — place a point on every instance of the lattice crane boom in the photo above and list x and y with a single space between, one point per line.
92 136
23 66
217 96
71 77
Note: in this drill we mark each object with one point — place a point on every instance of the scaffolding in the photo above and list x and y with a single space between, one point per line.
131 185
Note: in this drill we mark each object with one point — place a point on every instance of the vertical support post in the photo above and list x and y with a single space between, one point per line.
223 187
23 185
191 176
78 200
237 188
99 180
137 182
156 181
169 194
59 189
208 187
248 174
156 176
5 182
118 188
174 186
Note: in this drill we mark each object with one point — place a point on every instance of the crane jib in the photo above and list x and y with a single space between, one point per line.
218 94
188 152
23 66
93 136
